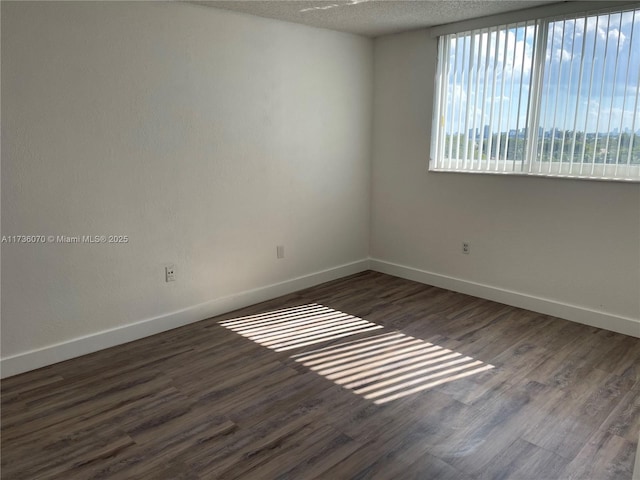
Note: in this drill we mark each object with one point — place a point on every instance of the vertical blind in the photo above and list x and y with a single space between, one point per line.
556 97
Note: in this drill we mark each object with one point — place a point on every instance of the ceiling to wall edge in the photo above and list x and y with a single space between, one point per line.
388 17
376 18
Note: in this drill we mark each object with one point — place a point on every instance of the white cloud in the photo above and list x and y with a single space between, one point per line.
616 37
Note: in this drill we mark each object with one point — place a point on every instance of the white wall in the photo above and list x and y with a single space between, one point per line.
208 137
570 242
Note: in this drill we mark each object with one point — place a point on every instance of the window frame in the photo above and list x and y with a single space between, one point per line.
531 164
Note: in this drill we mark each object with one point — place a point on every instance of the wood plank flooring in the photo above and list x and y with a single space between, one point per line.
367 377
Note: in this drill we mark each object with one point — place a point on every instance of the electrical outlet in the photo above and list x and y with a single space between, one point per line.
280 251
170 273
465 248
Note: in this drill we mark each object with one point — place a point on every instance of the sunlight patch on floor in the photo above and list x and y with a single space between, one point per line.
381 368
298 326
390 366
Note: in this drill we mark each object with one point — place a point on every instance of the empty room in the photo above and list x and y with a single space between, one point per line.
344 239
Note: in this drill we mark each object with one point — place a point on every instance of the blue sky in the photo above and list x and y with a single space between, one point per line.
571 96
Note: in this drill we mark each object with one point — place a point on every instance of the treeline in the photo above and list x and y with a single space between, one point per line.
588 148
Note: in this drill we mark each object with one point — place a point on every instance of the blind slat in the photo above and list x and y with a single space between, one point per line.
633 121
615 77
557 99
502 75
624 95
604 63
467 121
476 69
575 120
545 104
509 113
449 96
484 94
493 95
566 105
586 117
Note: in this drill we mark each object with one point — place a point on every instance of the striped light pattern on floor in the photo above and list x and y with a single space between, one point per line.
381 368
390 366
297 327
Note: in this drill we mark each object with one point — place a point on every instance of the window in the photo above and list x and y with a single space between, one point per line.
552 97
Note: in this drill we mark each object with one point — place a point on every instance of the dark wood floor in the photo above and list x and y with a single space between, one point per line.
366 377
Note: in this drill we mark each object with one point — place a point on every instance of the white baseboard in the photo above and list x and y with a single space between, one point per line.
594 318
31 360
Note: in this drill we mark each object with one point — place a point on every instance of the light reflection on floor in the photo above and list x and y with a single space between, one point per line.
381 368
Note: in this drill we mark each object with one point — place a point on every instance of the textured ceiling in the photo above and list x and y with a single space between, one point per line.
374 17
